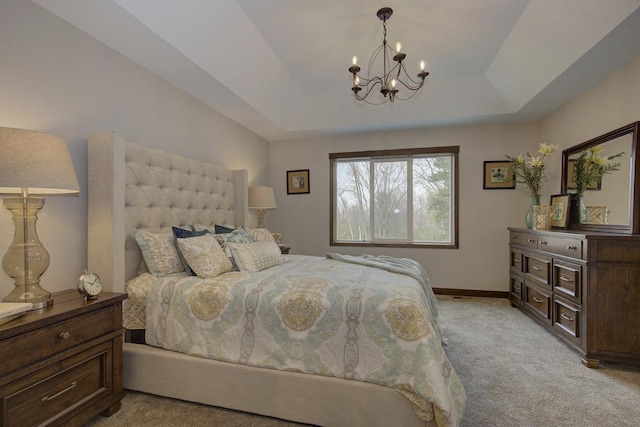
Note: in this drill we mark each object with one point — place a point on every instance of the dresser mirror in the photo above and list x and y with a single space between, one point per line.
613 203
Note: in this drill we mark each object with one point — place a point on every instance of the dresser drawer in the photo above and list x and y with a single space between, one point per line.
538 302
40 343
566 318
516 288
572 248
524 239
567 280
538 267
56 392
516 260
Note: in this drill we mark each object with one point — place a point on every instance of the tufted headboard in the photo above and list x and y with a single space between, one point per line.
132 187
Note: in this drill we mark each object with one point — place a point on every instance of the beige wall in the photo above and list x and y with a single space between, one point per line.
481 263
481 260
56 79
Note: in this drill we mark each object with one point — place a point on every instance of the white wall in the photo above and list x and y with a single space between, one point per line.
56 79
481 263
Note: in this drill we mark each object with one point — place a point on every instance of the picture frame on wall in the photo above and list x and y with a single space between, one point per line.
498 175
298 182
560 204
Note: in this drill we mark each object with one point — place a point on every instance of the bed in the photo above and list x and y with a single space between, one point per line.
135 190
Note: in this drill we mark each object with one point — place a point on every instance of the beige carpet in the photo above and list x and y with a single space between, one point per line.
515 374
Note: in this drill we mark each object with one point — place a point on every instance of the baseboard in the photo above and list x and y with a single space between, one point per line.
471 293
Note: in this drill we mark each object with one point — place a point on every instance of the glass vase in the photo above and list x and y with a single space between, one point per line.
528 217
582 210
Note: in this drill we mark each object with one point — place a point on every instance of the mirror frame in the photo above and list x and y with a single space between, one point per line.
634 186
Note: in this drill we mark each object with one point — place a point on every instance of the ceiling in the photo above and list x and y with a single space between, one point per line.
279 67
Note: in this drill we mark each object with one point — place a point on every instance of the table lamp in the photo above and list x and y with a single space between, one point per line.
31 163
261 199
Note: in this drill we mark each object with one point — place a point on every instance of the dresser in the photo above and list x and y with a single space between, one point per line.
583 287
62 365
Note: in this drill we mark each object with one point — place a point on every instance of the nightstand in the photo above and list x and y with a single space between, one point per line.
284 249
62 365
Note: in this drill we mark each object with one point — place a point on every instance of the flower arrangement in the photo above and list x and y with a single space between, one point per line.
530 172
590 166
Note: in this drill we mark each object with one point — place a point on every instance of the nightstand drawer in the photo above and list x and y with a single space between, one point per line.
38 344
56 392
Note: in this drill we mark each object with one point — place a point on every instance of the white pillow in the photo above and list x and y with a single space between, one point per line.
159 253
257 256
260 234
205 256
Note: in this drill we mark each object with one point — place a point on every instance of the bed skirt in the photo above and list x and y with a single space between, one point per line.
304 398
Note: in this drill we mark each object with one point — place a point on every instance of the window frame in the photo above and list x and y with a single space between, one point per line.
378 155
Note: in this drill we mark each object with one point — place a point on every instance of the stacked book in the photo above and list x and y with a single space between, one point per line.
13 310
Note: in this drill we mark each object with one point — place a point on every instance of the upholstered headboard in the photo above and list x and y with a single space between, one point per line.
132 187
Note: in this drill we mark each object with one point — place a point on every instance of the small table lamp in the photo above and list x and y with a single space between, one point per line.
261 199
31 163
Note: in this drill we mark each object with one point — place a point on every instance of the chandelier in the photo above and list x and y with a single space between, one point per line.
395 80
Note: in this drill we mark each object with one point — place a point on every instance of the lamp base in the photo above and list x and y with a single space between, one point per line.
260 214
26 259
37 296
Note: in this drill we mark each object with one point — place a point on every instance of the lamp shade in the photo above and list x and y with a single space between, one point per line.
36 161
261 198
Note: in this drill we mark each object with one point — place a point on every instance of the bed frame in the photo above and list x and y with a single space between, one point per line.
132 187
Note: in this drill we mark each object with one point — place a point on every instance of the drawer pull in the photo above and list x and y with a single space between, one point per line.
516 261
564 316
65 335
543 242
536 268
572 248
538 300
48 398
532 240
566 279
514 237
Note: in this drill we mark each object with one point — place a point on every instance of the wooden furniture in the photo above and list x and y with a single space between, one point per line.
583 287
62 365
284 249
618 192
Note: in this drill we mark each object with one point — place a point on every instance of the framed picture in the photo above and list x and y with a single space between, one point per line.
559 210
571 184
498 175
298 182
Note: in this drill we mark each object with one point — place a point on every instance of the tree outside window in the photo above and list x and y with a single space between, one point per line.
395 197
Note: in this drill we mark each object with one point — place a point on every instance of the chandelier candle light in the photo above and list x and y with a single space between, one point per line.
394 75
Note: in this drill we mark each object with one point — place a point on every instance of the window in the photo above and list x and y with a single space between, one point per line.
401 198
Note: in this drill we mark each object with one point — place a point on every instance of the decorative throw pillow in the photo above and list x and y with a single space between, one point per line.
205 256
181 233
257 256
260 234
221 229
235 236
159 253
218 229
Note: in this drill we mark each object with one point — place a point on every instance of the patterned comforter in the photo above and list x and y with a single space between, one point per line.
314 315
